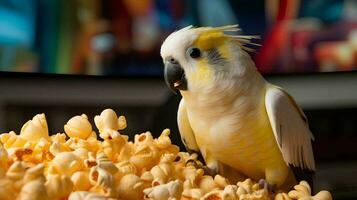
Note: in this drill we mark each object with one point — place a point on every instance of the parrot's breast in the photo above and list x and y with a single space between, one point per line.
243 141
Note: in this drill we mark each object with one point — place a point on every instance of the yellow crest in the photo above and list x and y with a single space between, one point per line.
210 37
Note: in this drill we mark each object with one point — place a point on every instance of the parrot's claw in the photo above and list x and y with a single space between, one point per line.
209 171
265 185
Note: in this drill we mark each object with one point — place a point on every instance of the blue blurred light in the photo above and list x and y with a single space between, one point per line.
17 22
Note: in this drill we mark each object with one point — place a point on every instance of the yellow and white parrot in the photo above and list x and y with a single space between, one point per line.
242 125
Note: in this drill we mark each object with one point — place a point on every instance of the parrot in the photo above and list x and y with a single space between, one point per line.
242 125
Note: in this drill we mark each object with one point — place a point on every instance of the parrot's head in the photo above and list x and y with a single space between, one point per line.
198 57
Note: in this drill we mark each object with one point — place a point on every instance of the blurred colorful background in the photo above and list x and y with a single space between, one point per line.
68 57
123 37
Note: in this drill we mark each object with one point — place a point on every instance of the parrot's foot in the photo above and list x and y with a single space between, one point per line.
264 184
209 171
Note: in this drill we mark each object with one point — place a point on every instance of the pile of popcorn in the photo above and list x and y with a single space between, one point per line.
75 165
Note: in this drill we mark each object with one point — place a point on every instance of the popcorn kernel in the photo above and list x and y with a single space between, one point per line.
34 165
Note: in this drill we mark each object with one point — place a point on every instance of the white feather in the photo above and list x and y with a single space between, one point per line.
290 128
186 132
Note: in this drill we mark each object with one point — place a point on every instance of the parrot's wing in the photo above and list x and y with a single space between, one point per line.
187 135
291 131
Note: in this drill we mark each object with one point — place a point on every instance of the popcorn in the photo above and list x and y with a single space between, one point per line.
102 181
300 191
41 151
192 194
82 195
192 174
144 157
16 172
229 193
34 173
59 137
35 129
124 168
91 143
104 163
282 196
34 190
220 181
34 184
131 187
4 158
18 153
207 183
66 163
258 195
125 153
12 140
7 189
247 187
108 120
58 186
164 140
161 173
34 165
82 153
169 191
78 127
81 181
115 145
303 191
148 178
57 148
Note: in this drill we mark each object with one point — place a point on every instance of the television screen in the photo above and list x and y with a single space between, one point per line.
123 37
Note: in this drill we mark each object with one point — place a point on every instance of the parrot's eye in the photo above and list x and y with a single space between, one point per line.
194 52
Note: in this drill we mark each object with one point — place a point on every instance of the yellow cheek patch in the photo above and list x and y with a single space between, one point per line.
203 73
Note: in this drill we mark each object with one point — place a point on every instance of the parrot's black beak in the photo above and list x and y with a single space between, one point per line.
174 75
